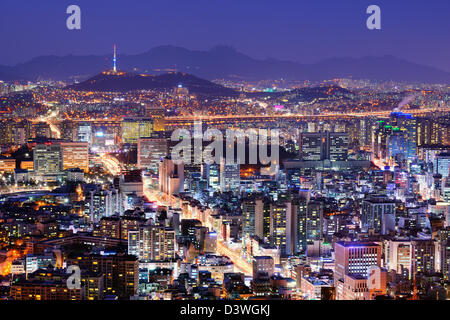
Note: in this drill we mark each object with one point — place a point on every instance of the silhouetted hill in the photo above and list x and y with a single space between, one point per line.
125 81
226 62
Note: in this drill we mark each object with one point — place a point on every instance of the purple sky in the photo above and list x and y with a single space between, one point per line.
299 30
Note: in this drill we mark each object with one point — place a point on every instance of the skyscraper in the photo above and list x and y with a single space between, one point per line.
337 146
152 243
319 146
443 164
75 155
150 152
230 176
171 176
312 146
48 159
135 128
85 132
352 263
378 214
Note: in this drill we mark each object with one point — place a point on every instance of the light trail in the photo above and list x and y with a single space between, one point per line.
154 195
50 120
237 260
14 190
174 121
55 130
297 116
111 164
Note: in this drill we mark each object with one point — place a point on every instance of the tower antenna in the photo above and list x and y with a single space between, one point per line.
115 59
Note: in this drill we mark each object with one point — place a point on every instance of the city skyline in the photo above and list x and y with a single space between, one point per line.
214 178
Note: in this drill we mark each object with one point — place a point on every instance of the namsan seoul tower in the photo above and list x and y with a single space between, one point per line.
115 59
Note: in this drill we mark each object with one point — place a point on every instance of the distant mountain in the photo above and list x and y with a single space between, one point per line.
380 68
226 62
7 74
125 81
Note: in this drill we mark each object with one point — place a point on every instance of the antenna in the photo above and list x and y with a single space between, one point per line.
115 59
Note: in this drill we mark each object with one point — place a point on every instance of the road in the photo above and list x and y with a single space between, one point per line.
111 164
222 119
235 257
152 194
51 120
295 116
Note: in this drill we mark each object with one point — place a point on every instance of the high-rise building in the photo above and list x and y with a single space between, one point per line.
282 233
423 255
320 146
6 127
171 176
211 172
75 155
312 146
249 208
230 176
397 144
42 130
443 164
431 132
263 266
256 218
158 114
352 263
85 132
150 152
48 159
366 131
444 245
152 243
406 124
378 214
337 146
309 223
98 205
400 257
69 130
110 227
121 272
135 128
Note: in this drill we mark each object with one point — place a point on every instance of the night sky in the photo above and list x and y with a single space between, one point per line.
297 30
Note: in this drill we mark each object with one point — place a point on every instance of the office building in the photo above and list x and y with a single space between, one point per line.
150 152
48 159
135 128
75 155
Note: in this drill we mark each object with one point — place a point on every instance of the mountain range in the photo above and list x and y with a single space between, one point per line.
224 62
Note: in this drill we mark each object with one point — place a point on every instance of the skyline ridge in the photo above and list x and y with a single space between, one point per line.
212 63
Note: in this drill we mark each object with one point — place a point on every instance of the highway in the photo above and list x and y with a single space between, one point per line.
50 119
224 119
235 257
111 164
165 200
219 118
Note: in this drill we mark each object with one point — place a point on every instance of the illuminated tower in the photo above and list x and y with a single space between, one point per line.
115 59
